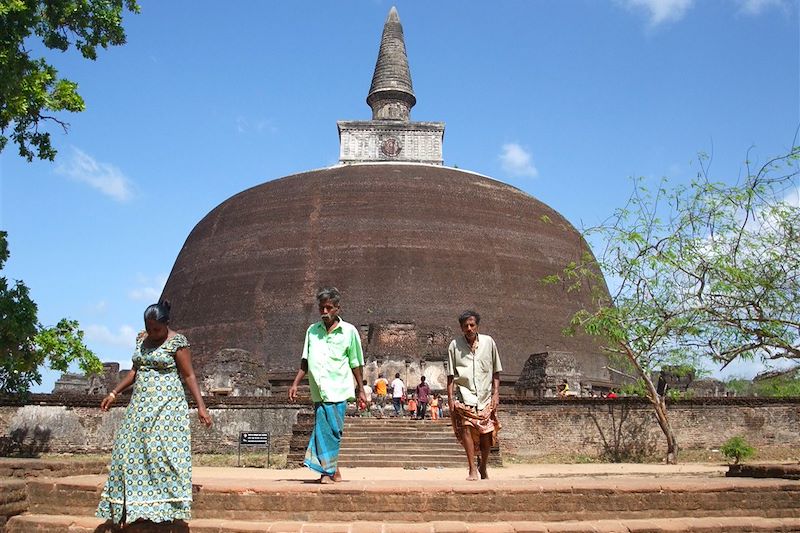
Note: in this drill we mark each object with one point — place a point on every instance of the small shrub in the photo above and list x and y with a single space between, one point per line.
736 448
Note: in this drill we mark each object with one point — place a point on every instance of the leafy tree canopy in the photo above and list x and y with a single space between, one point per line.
26 345
784 384
707 270
31 91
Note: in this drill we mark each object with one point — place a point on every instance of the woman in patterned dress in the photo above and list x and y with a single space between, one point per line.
150 476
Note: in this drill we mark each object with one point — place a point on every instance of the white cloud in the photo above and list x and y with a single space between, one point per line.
756 7
150 288
792 198
660 11
517 161
125 336
99 307
104 177
244 125
741 368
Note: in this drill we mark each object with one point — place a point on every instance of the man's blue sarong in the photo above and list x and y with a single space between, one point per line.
322 454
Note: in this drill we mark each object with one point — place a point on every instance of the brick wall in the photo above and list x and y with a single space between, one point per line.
531 428
75 424
593 426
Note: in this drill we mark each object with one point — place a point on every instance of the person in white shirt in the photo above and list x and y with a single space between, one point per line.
367 407
398 392
473 392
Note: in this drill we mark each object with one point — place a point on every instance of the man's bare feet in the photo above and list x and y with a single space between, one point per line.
484 473
473 476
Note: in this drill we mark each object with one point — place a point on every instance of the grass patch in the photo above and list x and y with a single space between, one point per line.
250 459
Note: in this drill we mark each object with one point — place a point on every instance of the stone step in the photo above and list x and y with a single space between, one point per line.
348 449
405 440
381 430
416 426
26 468
87 524
416 464
436 495
401 450
438 428
377 430
393 441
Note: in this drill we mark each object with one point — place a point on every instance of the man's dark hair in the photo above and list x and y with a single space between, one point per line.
329 293
468 313
422 379
397 375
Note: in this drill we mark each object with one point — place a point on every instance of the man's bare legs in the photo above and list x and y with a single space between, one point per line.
469 447
486 447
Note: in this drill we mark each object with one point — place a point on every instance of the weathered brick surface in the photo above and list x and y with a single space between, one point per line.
69 524
588 427
13 499
29 430
26 468
764 471
531 429
544 500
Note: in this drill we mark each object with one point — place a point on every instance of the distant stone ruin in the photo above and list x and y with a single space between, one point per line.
100 384
544 371
235 372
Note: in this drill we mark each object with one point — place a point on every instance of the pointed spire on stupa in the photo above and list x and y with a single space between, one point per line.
390 135
391 96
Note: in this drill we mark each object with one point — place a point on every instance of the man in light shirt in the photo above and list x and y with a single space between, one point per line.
473 392
332 357
398 394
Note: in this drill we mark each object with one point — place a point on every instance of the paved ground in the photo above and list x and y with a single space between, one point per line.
504 473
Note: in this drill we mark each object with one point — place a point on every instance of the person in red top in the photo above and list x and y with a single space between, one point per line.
423 392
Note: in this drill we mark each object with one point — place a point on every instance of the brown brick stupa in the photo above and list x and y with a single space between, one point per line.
409 242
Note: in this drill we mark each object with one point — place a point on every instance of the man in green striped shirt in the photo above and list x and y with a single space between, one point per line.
332 357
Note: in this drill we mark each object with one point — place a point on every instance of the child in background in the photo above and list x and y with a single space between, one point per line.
412 407
434 404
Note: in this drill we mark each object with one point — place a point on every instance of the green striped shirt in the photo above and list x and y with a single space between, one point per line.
331 358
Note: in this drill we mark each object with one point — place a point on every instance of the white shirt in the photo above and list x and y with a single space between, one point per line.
398 387
472 371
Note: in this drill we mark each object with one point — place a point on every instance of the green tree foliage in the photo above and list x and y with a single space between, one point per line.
699 271
736 448
26 345
780 385
31 92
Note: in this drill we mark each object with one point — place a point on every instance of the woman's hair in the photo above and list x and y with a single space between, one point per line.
158 312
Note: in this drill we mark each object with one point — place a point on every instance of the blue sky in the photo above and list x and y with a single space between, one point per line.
564 99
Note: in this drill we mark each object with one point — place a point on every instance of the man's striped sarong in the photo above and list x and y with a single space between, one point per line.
322 454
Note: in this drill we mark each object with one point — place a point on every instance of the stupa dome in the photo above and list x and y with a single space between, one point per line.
409 242
409 245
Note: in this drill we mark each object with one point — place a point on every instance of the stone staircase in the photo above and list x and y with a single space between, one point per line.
436 503
390 442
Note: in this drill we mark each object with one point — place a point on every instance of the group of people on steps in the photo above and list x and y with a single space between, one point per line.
150 474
